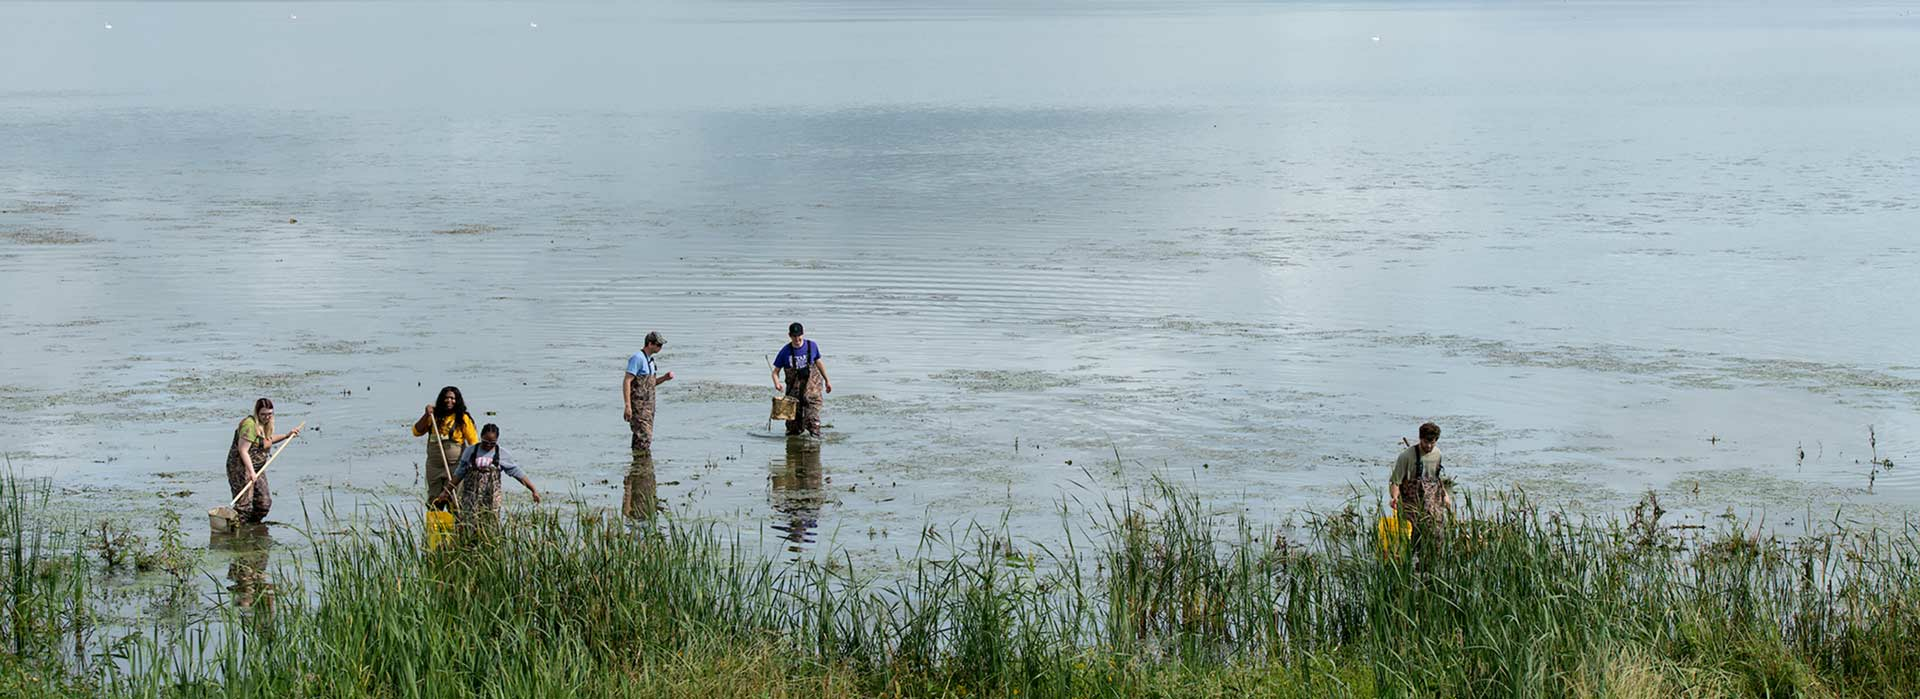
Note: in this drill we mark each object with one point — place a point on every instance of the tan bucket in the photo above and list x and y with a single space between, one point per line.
784 408
223 519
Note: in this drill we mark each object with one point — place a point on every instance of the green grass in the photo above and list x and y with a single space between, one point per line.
1155 597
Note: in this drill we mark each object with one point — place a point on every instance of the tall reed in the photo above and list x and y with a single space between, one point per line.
1156 596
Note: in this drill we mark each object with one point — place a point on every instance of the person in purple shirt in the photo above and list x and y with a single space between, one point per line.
806 379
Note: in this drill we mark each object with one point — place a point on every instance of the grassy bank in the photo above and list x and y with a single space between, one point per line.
1157 597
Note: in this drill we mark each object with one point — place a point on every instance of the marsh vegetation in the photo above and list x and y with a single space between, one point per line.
1152 595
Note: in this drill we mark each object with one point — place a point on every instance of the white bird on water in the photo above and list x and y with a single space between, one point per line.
109 25
533 25
293 17
1376 38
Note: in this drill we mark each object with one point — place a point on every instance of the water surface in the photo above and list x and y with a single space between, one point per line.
1050 250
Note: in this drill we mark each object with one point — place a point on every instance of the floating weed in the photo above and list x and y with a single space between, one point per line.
45 236
1002 380
468 229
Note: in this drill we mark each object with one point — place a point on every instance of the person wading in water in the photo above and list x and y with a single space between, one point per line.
806 379
252 441
451 427
1414 487
476 481
636 390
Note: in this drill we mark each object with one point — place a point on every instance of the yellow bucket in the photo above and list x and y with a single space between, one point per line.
784 408
1393 534
439 528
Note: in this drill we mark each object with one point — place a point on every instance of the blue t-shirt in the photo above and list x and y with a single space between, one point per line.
789 358
640 364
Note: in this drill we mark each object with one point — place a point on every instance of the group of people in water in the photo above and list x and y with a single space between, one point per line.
465 464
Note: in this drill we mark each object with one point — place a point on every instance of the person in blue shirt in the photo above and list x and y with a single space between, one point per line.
806 379
636 390
477 479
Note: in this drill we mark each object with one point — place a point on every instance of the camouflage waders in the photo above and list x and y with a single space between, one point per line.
259 500
443 455
1423 504
807 388
1422 498
479 496
640 403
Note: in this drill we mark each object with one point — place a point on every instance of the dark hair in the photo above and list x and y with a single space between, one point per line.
459 406
490 428
795 330
1429 432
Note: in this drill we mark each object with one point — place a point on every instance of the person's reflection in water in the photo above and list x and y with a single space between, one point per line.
642 494
247 571
796 493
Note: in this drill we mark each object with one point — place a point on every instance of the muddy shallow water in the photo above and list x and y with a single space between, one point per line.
1048 251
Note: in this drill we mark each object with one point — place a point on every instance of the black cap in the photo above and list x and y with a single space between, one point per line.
795 330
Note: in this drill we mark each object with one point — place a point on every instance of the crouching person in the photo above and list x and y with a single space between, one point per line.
476 481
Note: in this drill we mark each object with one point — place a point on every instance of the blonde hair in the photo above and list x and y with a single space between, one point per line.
267 424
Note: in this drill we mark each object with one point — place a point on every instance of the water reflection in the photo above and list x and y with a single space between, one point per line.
247 571
796 493
640 497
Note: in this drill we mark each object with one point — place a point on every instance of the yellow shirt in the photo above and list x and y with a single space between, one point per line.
466 434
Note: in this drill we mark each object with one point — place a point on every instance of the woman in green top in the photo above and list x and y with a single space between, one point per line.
246 454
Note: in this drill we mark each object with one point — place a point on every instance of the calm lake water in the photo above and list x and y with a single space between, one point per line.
1608 246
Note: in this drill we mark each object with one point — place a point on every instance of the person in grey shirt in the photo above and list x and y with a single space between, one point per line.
1414 487
477 478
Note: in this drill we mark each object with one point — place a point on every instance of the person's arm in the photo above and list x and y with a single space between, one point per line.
425 423
453 480
1392 488
779 362
460 469
663 378
241 445
1400 469
511 468
281 438
626 396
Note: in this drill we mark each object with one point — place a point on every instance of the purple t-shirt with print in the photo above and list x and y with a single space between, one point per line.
790 358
